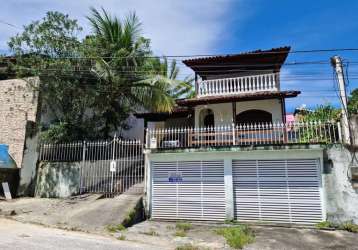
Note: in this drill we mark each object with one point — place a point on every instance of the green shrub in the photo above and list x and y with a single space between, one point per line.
184 226
187 247
122 237
325 224
349 226
237 237
180 233
116 228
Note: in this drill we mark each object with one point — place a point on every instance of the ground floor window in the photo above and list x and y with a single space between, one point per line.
253 116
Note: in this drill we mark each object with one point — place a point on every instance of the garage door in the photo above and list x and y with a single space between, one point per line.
188 190
278 191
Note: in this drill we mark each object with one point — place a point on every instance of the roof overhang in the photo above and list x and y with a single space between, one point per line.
237 98
258 60
178 112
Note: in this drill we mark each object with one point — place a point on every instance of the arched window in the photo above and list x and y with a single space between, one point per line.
206 118
253 116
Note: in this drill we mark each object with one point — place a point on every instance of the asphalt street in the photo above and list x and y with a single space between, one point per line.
16 235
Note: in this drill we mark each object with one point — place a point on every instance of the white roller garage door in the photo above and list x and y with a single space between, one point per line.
278 191
196 191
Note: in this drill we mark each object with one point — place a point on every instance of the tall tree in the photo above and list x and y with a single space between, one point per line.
91 86
121 69
48 49
353 102
161 71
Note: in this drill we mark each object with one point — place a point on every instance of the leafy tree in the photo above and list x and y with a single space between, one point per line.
353 102
91 86
47 49
323 113
120 67
162 71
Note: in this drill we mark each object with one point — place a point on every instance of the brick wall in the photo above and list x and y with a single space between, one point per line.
18 105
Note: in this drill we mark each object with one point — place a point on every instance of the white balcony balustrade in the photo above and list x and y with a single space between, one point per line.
238 85
245 135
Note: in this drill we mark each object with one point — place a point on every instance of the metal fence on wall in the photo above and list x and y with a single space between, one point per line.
109 167
245 135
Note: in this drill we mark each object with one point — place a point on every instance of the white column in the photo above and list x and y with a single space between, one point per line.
147 183
229 190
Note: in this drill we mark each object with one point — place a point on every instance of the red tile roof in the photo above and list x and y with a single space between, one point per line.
253 60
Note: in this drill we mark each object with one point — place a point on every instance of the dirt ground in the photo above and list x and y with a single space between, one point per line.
92 214
268 238
87 213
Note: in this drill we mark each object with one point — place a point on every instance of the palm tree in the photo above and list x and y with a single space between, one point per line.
121 69
162 71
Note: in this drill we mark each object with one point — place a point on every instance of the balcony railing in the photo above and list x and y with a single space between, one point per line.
237 85
245 135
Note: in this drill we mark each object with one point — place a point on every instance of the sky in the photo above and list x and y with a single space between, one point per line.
201 27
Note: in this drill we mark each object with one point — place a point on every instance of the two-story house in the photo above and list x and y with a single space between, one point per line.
228 153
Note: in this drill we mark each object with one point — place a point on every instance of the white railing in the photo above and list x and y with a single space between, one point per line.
237 85
244 135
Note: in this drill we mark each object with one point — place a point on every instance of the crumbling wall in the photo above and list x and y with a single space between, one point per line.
18 109
57 179
341 197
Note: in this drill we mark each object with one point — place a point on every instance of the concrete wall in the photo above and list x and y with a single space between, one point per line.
354 129
341 198
57 179
223 111
28 168
18 108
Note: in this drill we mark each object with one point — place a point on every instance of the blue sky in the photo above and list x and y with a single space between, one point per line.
186 27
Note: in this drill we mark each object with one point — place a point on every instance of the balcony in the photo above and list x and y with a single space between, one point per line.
245 135
239 85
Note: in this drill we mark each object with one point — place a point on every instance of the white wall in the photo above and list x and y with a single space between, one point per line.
223 111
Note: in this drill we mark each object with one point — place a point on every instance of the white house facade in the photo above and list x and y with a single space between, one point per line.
229 154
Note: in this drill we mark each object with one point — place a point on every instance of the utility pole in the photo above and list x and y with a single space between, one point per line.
337 65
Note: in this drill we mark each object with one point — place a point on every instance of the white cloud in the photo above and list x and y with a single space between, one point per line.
175 27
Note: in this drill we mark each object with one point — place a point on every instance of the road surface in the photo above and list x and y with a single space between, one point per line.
16 235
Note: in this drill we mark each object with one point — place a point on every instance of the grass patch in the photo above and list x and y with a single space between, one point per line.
116 228
151 232
183 226
238 236
170 227
180 233
325 224
187 247
122 237
347 226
